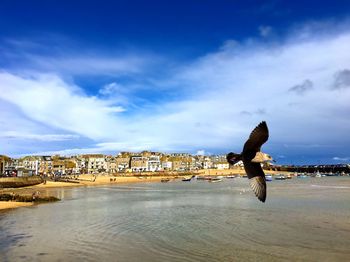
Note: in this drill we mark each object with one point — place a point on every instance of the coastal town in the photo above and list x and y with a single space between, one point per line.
124 162
131 163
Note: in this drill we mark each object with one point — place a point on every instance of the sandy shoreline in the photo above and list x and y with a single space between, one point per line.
89 180
12 204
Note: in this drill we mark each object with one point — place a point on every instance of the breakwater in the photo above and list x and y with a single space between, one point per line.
13 182
312 168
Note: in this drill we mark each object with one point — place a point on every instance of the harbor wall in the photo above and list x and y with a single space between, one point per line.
13 182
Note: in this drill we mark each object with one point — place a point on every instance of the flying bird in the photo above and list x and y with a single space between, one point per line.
252 158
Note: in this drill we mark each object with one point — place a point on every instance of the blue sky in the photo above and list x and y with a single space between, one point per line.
175 76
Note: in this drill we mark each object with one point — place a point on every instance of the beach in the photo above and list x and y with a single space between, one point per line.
11 204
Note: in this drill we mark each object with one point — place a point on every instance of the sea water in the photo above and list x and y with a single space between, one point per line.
302 219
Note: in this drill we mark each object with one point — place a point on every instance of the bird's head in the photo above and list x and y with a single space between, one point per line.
269 158
233 158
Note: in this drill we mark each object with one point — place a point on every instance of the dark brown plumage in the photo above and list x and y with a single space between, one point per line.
254 171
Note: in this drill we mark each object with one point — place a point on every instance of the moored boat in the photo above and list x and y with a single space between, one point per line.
280 177
187 179
268 178
302 176
215 179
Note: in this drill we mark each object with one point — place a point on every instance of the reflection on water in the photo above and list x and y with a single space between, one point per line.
176 221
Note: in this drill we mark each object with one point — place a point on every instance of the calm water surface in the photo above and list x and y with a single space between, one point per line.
303 219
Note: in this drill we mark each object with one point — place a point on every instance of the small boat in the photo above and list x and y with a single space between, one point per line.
289 176
231 176
302 176
268 178
164 180
215 179
187 179
280 177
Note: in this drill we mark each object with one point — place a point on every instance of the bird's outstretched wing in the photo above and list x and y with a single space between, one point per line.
257 179
257 138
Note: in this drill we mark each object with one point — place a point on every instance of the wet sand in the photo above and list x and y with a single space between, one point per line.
11 204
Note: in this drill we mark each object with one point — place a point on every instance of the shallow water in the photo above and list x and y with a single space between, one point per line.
303 219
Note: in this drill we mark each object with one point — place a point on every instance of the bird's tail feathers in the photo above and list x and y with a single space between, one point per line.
233 158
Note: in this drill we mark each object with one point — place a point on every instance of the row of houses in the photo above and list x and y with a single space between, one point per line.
98 163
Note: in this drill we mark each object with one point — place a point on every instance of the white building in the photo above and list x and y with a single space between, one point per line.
222 165
31 163
80 164
153 163
207 163
95 163
167 165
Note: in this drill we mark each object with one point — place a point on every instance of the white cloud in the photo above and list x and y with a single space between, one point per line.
71 59
38 137
215 89
341 158
110 89
85 65
265 31
200 152
227 83
48 99
107 147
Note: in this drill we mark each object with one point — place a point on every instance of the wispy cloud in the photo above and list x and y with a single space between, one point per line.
220 97
265 31
260 111
71 59
342 79
89 65
341 158
38 137
302 88
110 89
